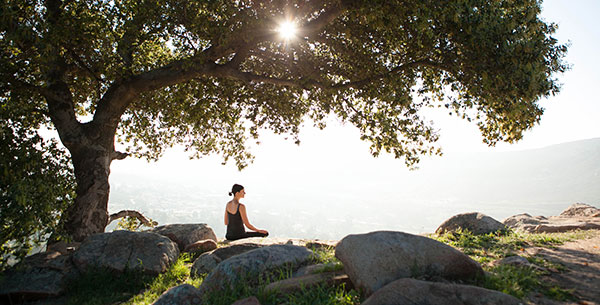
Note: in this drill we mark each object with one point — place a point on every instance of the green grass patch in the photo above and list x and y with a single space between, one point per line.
518 281
101 286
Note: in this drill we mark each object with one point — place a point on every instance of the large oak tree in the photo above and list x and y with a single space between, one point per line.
211 74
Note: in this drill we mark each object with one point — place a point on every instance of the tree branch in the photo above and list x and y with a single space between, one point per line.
225 71
131 213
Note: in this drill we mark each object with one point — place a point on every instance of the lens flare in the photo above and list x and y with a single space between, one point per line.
287 30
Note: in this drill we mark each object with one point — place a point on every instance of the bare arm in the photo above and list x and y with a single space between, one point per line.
226 218
245 219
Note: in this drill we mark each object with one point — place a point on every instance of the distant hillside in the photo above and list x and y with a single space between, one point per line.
563 172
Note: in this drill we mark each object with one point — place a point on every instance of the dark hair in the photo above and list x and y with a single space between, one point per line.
235 188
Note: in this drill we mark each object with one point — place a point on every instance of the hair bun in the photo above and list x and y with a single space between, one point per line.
230 194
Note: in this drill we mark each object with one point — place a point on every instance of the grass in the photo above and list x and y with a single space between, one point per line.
100 286
132 287
519 281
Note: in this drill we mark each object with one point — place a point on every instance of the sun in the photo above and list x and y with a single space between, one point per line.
287 30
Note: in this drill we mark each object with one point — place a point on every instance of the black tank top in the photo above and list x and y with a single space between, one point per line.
235 226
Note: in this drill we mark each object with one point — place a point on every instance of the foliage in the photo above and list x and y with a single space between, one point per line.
210 74
36 187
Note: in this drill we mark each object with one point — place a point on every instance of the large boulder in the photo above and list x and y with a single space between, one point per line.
414 292
375 259
186 234
185 294
119 250
475 222
251 264
206 262
581 210
39 276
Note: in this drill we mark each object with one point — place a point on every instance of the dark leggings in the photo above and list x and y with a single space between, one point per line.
246 235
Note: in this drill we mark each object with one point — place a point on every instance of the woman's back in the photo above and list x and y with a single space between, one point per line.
235 226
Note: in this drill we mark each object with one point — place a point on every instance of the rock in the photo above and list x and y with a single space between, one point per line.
477 223
185 294
251 264
39 276
267 241
317 268
375 259
186 234
516 261
247 301
236 249
119 250
294 284
581 210
204 264
62 247
321 244
415 292
540 224
201 246
523 219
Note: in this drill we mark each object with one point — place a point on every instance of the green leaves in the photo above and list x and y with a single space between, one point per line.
36 186
376 70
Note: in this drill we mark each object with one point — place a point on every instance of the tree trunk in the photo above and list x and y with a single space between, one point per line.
89 213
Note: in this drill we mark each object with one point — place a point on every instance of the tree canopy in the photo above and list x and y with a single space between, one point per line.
211 74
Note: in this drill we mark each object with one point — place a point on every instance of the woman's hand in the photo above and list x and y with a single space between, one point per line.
262 231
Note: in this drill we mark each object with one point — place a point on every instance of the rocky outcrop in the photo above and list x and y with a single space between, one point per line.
570 219
580 210
476 223
251 264
186 234
414 292
39 276
185 294
119 250
375 259
206 262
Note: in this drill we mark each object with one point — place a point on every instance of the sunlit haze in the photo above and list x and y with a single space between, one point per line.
330 186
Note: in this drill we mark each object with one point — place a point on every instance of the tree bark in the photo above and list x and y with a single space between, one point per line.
89 213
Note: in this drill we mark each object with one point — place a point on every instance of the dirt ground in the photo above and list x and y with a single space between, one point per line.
581 259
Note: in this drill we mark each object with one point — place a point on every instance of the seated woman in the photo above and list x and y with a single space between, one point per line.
235 217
